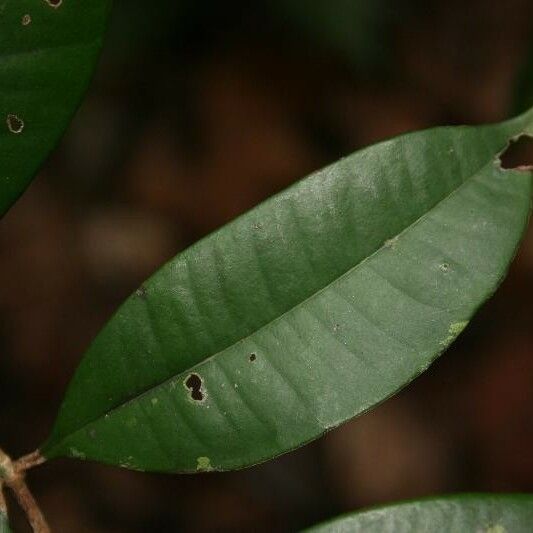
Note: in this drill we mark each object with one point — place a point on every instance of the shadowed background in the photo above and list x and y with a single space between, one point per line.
200 110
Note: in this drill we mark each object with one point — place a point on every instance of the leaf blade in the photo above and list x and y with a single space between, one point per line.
47 56
318 335
453 514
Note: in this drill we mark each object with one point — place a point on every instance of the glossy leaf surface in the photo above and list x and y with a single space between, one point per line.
308 310
455 514
48 49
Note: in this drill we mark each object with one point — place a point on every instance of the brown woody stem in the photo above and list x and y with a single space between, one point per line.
12 474
29 461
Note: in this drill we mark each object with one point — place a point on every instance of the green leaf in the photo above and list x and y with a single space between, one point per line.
473 513
48 49
4 523
310 309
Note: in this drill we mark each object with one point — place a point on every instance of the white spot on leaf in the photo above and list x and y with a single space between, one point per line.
204 464
495 529
453 331
391 243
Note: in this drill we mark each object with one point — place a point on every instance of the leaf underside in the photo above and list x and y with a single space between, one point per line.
306 311
47 55
471 513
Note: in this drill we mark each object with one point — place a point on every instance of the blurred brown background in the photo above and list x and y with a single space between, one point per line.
200 110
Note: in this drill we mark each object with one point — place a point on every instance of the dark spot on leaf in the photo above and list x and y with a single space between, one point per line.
194 384
519 154
253 357
14 123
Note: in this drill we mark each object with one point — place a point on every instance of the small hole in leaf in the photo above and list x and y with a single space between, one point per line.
54 3
194 384
519 154
15 124
26 20
252 357
444 267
